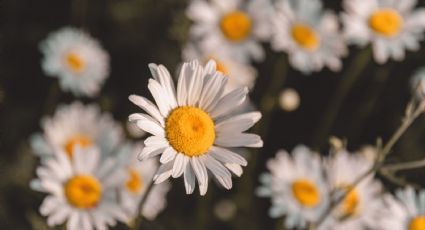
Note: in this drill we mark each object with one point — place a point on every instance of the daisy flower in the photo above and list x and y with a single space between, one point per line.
296 186
239 74
76 124
234 25
77 59
191 126
356 210
406 211
418 83
308 34
81 191
133 187
391 27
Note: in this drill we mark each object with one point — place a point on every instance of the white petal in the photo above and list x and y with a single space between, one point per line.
179 165
234 168
239 123
163 173
212 91
227 156
160 96
229 102
148 107
239 140
201 174
155 141
189 179
73 221
195 86
149 152
218 170
147 123
168 155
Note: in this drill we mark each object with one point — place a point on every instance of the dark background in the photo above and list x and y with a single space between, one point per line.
138 32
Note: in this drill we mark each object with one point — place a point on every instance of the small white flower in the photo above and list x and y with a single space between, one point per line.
81 191
239 74
192 126
289 100
234 25
296 186
391 27
356 211
77 60
418 83
76 124
309 35
406 211
133 188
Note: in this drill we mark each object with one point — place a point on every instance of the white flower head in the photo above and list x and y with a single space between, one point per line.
81 191
405 211
309 35
77 59
138 176
418 83
234 25
192 127
356 210
239 74
296 186
77 124
391 27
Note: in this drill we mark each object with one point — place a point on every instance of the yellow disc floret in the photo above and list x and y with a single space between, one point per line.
134 183
350 203
306 193
79 139
305 36
386 22
236 26
417 223
75 62
190 130
83 191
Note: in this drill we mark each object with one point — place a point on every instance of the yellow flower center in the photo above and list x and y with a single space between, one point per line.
386 22
83 191
351 202
75 62
190 130
306 193
79 139
134 183
236 26
417 223
305 36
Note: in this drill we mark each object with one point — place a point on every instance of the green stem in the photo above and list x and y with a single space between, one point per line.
404 166
139 217
343 88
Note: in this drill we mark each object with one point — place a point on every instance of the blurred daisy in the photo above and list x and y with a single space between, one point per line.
390 26
406 211
133 188
289 100
77 124
77 60
234 25
191 126
239 74
356 210
308 34
418 83
296 187
81 192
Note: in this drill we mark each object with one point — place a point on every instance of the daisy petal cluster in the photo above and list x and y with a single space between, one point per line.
391 27
77 60
309 35
234 25
193 126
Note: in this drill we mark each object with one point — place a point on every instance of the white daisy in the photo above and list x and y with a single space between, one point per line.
192 127
133 188
308 34
296 187
76 124
356 210
390 26
77 60
418 83
81 192
239 74
234 25
405 212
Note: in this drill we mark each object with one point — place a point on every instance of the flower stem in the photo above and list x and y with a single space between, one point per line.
140 207
404 166
344 86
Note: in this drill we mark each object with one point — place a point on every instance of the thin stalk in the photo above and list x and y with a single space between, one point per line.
404 166
346 83
140 207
